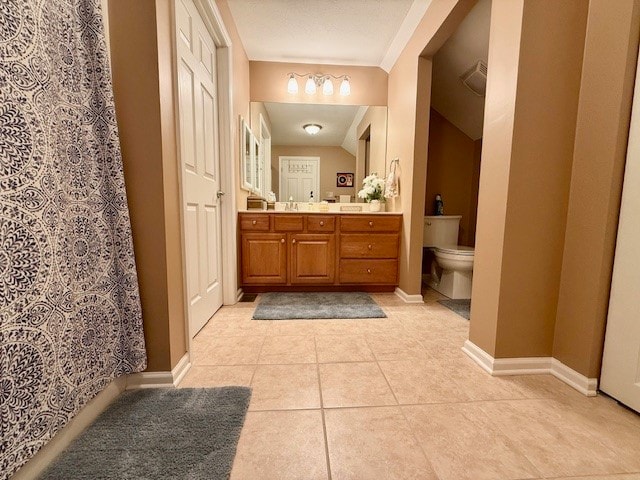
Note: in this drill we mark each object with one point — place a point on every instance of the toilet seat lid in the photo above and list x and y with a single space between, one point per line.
456 250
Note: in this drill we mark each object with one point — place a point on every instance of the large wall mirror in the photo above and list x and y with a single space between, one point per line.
343 144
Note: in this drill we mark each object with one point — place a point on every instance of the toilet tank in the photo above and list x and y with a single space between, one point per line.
441 230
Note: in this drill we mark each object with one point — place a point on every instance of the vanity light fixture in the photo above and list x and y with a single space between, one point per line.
312 128
318 80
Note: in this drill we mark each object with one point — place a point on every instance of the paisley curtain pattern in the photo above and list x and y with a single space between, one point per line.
70 317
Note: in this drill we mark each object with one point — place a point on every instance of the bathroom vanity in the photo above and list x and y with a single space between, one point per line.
319 251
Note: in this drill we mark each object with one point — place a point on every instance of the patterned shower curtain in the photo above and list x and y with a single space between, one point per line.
70 317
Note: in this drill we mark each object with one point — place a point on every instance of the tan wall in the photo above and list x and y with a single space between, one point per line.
537 169
240 92
408 125
375 119
332 161
451 172
269 84
257 109
600 145
140 36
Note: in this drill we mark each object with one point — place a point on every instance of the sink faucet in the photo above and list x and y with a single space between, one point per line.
290 205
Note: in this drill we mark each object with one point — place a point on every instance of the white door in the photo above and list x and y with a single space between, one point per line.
620 376
199 158
299 176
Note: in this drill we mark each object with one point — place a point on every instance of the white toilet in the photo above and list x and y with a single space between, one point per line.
454 270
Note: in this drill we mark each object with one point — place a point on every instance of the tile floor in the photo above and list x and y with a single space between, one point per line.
396 398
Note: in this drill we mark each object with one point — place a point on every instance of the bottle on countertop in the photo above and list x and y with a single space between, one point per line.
439 205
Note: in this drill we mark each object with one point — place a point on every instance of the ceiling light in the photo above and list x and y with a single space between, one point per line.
318 80
345 87
292 85
312 128
310 86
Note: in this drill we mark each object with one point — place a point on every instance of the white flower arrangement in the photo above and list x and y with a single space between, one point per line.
372 188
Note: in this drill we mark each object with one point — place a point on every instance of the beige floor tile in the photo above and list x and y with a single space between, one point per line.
462 443
395 347
343 348
354 385
374 443
234 327
218 376
387 299
292 327
288 349
552 439
242 350
337 327
624 476
282 387
287 445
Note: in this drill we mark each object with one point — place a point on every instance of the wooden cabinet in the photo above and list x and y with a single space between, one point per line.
319 251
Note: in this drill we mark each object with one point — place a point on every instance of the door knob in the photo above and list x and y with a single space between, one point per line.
219 193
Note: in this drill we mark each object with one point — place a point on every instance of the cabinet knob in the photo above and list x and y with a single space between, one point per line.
370 246
371 224
428 224
293 241
321 223
253 222
368 270
282 240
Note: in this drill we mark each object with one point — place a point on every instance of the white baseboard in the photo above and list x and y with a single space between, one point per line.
239 295
85 417
529 366
408 298
160 379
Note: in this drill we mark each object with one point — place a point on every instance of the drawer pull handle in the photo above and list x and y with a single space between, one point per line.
253 222
293 241
371 224
321 223
282 240
368 270
370 246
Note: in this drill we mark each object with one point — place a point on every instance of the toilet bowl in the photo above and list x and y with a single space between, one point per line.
452 269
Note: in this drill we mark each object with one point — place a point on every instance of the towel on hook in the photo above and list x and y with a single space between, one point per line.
391 184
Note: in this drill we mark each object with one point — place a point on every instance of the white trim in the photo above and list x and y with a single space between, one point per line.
408 298
586 386
530 366
239 294
411 21
63 438
160 379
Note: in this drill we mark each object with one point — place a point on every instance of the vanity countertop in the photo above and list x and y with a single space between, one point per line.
316 212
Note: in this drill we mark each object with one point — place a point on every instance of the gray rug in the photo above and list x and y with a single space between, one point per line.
314 305
188 433
461 307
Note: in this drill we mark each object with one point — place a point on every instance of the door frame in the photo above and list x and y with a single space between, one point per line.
293 157
212 19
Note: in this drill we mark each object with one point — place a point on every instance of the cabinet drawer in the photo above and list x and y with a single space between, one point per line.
370 223
369 271
255 223
287 223
380 245
316 223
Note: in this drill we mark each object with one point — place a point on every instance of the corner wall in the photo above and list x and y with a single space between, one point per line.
602 128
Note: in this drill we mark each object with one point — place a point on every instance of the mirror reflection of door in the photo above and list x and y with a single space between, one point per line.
299 176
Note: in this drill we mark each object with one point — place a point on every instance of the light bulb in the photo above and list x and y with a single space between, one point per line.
310 86
292 85
327 87
345 87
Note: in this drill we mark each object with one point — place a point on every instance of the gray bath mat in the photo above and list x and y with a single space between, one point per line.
189 433
461 307
313 305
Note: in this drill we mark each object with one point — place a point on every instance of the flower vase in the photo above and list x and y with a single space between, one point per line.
374 205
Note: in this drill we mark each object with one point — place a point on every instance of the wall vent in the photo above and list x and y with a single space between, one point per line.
475 79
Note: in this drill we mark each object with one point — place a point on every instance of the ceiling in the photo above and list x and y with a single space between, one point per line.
287 120
464 48
341 32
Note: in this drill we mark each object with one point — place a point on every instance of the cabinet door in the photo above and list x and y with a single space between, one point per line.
313 259
264 258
